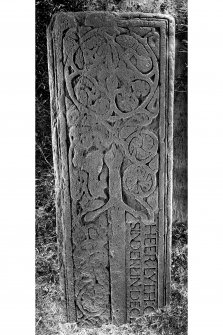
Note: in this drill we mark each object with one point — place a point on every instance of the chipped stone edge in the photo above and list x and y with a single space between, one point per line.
62 191
127 14
171 74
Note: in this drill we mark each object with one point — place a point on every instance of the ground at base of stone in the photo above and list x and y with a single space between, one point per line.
73 329
171 320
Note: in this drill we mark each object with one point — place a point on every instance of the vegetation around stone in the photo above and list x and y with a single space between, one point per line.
50 317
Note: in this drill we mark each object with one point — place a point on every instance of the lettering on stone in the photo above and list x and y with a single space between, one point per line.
111 83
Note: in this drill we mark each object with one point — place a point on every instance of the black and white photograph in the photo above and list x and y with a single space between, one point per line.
111 182
111 211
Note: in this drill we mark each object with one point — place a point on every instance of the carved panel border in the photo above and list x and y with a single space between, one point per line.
111 81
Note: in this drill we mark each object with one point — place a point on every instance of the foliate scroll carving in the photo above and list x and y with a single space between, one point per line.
139 180
91 272
111 77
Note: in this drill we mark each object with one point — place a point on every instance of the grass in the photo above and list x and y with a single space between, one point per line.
50 311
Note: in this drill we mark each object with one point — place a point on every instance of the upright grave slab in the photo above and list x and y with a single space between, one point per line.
111 83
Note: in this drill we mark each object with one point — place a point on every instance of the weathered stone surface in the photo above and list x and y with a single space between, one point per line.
180 136
111 83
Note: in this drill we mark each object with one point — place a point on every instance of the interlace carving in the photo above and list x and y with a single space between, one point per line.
113 91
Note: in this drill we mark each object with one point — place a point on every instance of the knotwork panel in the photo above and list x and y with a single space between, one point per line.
112 133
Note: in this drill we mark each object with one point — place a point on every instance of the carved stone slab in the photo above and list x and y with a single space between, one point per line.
111 83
